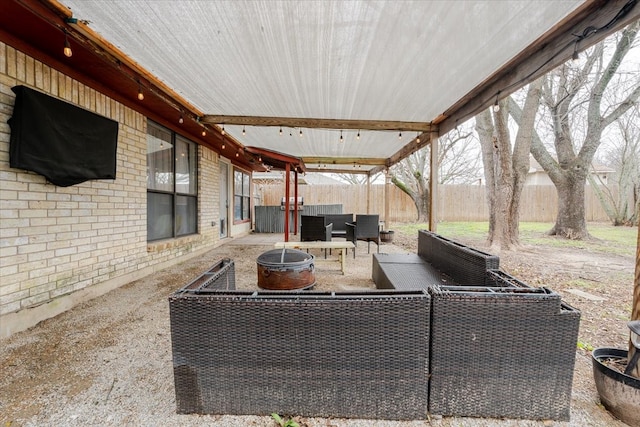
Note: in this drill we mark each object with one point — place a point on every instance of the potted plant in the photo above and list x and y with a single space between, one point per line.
617 378
386 236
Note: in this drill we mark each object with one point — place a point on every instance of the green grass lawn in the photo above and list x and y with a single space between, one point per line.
607 238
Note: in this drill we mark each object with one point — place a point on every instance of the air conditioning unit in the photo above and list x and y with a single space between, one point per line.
292 201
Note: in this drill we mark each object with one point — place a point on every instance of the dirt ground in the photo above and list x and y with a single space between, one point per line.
108 361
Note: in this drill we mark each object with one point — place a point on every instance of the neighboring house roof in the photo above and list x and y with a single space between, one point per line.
534 167
306 179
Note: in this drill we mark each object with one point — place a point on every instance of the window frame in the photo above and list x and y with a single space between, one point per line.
244 204
183 200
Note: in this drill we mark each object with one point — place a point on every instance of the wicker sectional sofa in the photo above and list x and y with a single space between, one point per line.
429 340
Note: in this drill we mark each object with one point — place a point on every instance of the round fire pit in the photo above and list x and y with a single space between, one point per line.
286 269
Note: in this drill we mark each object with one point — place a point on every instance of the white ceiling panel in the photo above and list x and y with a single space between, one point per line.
367 60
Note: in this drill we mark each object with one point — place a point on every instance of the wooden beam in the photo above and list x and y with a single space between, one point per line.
339 170
543 55
314 123
414 145
345 161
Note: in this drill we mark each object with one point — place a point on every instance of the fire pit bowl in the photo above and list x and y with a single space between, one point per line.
286 269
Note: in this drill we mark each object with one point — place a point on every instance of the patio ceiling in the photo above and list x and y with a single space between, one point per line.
335 69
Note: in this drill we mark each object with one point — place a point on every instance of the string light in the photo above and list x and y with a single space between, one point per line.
224 145
418 138
496 107
237 154
280 130
400 135
341 139
358 135
300 133
223 131
67 46
575 55
140 94
181 119
204 132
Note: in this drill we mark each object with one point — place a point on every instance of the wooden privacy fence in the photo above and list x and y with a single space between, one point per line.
455 202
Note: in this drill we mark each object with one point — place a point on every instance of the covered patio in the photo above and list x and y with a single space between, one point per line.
245 86
109 361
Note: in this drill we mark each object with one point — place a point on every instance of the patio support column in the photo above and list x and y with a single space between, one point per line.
387 193
368 194
286 201
433 181
295 203
635 308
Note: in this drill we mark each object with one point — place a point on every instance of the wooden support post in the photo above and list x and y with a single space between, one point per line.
295 202
287 190
433 182
635 308
368 194
387 191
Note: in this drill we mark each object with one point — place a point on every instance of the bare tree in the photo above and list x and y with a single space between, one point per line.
457 164
568 93
623 156
506 168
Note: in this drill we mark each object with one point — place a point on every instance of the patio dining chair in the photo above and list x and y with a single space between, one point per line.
313 228
365 228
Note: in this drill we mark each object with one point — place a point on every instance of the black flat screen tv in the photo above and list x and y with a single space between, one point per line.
60 141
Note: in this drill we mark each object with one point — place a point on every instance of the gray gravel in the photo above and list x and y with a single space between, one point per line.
108 362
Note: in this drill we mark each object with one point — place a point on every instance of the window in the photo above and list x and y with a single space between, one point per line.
241 196
171 184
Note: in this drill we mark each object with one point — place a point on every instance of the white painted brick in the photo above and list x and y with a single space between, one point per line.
15 296
35 300
9 308
27 249
9 289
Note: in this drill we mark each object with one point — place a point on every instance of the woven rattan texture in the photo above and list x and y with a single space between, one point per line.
467 266
364 356
405 272
220 276
502 355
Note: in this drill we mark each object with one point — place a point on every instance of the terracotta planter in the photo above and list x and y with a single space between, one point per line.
619 393
386 236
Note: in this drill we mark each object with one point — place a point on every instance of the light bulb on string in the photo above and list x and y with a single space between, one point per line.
223 131
575 56
204 132
399 135
341 139
300 133
243 131
418 138
140 94
181 119
358 136
496 106
280 130
67 46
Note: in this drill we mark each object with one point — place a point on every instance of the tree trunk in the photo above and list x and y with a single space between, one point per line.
506 169
562 95
570 222
420 198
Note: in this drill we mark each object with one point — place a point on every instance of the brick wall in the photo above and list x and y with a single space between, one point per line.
62 245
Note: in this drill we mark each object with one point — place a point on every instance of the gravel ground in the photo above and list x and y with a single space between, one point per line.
108 362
